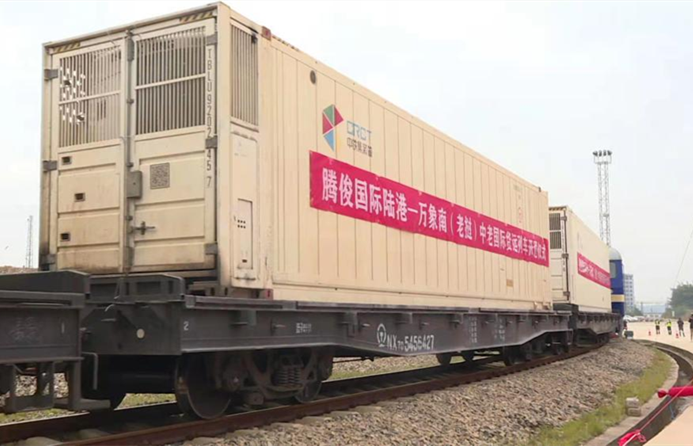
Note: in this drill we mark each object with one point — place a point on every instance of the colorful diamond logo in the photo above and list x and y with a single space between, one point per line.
330 119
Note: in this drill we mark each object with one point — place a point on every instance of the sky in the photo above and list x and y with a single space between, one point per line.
534 86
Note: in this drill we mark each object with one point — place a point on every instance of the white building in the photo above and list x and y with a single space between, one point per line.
629 291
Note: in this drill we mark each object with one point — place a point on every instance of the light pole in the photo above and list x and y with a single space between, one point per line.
602 158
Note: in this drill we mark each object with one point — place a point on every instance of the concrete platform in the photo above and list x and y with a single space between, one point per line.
614 433
680 431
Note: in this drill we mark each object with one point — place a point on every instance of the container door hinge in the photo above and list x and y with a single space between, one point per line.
50 74
211 249
211 143
134 184
566 293
129 257
211 39
50 165
564 255
130 49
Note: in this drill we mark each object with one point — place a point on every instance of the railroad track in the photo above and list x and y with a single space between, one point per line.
171 427
160 412
653 423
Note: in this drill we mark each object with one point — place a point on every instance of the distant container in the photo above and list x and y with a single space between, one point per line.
579 263
201 145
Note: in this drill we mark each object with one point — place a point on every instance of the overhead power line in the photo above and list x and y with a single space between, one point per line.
683 259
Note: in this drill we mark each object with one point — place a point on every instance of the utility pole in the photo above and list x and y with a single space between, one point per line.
29 260
602 158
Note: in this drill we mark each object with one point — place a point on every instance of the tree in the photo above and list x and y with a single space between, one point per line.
681 299
635 311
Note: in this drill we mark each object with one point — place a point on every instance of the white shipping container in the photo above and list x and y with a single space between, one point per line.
579 263
183 144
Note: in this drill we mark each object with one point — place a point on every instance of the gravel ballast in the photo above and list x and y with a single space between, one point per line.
382 365
503 411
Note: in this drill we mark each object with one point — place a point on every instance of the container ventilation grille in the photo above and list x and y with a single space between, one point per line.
555 221
89 102
170 81
555 231
555 240
244 76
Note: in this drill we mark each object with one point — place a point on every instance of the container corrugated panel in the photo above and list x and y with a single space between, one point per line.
324 256
219 183
579 263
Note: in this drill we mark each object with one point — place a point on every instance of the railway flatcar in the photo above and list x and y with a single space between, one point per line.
40 330
580 280
246 214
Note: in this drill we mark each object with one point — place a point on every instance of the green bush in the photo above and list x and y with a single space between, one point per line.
596 422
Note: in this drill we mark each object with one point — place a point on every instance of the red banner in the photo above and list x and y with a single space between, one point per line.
347 190
590 270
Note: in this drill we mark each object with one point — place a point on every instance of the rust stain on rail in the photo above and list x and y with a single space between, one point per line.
57 425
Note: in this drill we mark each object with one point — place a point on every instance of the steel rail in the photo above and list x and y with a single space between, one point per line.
16 431
654 422
46 427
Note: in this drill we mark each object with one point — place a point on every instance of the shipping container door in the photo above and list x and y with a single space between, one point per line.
83 196
173 155
558 262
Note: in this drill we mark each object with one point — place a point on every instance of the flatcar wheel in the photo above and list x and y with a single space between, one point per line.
444 359
116 400
468 356
527 352
309 392
539 346
195 392
510 355
5 380
557 348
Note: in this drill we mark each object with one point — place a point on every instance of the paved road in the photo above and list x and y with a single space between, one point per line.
680 431
646 330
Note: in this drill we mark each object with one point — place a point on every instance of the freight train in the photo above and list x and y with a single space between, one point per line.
223 215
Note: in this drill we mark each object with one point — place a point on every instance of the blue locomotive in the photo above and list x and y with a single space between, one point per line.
618 300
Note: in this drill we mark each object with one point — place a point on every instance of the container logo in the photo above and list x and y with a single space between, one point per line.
358 136
331 118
